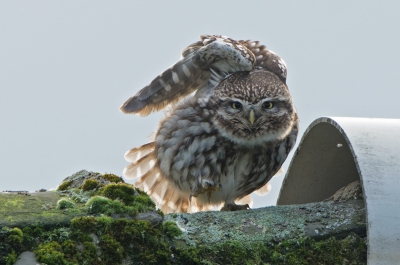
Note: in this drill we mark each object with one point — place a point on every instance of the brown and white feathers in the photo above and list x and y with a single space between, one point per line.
216 147
204 62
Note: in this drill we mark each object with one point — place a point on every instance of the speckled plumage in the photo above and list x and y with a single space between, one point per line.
203 62
227 140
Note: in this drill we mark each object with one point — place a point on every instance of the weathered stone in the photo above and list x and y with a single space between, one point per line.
352 191
154 218
209 237
273 224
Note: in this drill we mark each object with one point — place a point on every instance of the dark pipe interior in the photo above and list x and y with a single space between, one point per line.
322 165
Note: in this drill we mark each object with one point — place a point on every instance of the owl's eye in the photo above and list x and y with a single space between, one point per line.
236 105
268 105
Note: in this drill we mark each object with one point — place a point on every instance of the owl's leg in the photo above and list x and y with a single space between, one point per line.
230 207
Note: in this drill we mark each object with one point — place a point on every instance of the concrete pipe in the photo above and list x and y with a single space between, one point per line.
337 151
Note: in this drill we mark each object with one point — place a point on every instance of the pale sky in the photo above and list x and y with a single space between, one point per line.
67 66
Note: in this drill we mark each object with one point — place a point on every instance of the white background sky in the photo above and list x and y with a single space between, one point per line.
67 66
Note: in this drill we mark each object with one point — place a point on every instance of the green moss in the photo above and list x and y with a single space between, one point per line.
11 258
103 205
230 252
65 204
118 239
90 184
111 250
130 241
118 199
171 229
112 236
89 254
112 178
84 224
330 251
123 192
160 213
69 248
305 251
15 237
144 243
64 185
11 244
105 224
50 253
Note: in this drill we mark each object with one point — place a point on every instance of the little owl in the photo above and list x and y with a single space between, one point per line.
230 127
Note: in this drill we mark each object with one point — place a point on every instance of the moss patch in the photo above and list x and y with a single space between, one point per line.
50 253
112 178
127 194
171 229
65 185
90 184
11 244
64 204
351 250
103 240
106 231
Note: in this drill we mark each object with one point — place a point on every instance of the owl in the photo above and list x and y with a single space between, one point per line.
230 126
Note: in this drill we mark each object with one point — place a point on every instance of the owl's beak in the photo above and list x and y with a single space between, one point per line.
252 117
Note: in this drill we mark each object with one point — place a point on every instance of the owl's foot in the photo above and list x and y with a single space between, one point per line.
206 186
234 207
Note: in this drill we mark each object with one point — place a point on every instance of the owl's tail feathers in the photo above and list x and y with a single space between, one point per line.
166 195
176 82
245 200
264 190
143 160
135 154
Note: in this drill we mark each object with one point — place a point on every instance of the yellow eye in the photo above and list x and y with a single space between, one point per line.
268 105
236 105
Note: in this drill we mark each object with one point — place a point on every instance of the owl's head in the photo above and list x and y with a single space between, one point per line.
252 108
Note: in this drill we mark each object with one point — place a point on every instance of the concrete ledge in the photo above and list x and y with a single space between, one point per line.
337 151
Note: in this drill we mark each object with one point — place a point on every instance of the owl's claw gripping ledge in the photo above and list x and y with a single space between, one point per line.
234 207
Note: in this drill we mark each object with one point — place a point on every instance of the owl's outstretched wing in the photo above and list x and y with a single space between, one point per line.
209 60
267 59
212 56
